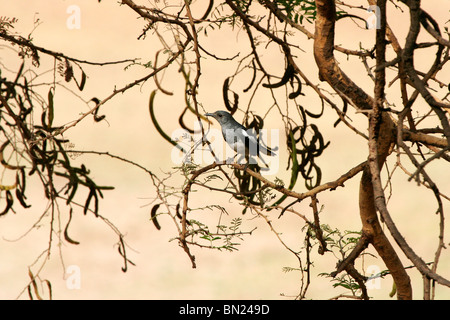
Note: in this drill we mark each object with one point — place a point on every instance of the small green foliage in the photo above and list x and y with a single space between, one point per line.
226 237
343 242
290 269
340 243
298 10
7 23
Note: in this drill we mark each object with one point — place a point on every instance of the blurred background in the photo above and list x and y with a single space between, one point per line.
109 32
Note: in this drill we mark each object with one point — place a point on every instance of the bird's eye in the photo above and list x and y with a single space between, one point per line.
220 116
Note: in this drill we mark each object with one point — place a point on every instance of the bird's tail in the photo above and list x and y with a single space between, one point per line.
265 149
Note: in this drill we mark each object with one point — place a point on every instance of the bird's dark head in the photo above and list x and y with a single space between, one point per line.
221 116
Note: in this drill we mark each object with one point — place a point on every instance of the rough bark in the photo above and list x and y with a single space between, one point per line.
384 127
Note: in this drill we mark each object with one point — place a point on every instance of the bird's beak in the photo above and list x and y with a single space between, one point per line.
210 115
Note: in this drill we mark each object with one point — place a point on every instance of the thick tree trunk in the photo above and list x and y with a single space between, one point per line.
330 72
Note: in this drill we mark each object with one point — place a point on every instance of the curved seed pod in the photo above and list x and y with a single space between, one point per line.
313 115
208 10
226 101
21 197
302 130
225 86
257 123
34 284
11 87
319 138
49 287
23 181
295 166
9 203
256 184
340 16
83 80
66 235
308 182
156 78
50 108
181 121
248 185
297 92
177 210
344 112
156 124
92 194
2 159
253 77
288 73
153 216
74 184
123 253
97 118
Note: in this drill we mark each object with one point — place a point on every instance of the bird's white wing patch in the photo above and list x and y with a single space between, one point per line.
243 132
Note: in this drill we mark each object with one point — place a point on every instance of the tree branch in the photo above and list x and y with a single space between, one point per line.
27 43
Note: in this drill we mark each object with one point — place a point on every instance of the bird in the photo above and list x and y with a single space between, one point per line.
240 139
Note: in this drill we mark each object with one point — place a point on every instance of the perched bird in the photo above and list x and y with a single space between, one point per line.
241 140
